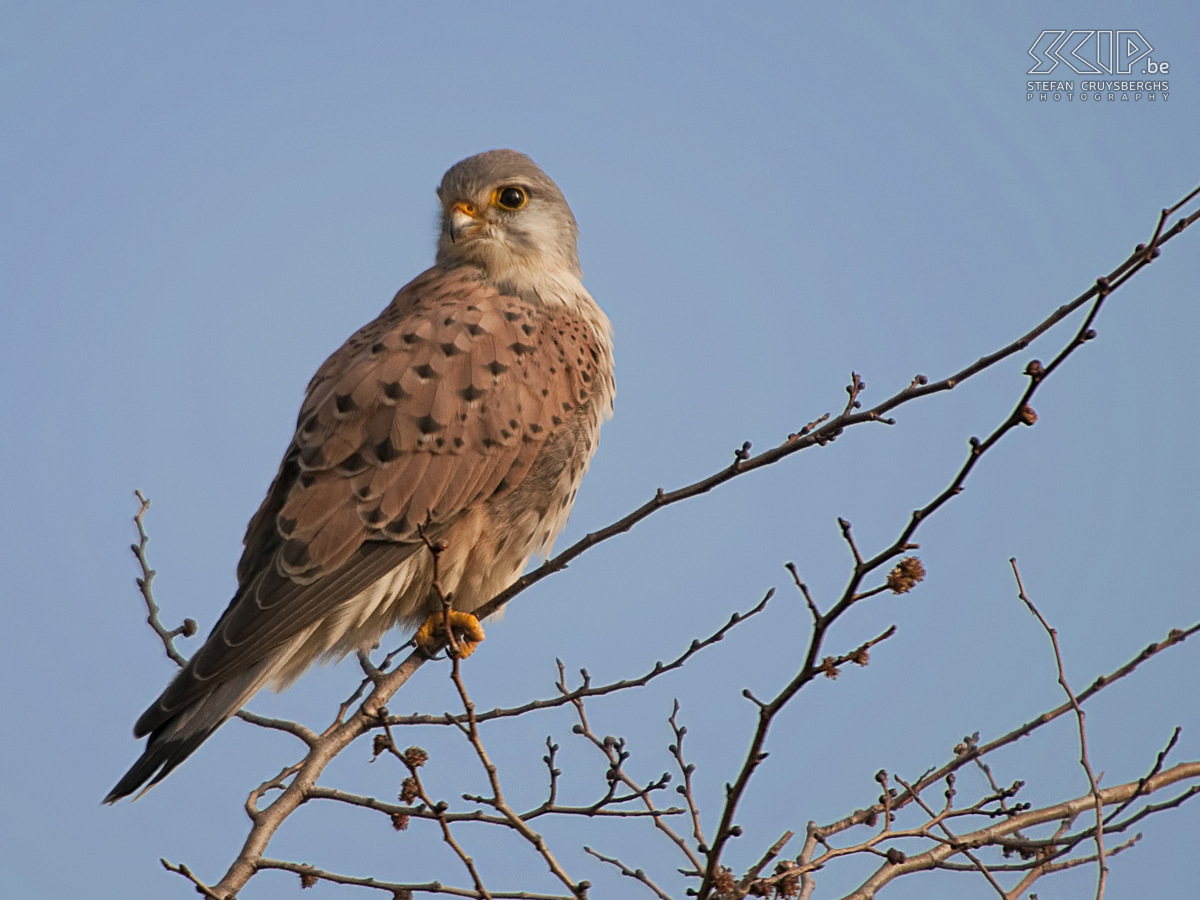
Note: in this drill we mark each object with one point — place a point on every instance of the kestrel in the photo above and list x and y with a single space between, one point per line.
467 412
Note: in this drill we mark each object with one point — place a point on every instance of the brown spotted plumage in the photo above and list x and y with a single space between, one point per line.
469 409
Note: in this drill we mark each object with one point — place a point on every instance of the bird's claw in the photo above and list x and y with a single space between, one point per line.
431 636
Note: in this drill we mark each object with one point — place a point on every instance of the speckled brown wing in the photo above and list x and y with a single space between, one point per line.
441 403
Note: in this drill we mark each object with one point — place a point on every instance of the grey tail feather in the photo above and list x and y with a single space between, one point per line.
155 763
179 737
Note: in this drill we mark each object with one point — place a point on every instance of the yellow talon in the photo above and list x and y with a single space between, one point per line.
432 633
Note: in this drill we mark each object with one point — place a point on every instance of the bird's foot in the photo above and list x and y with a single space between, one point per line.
467 632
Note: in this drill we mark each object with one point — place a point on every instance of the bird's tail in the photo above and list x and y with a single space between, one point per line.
177 738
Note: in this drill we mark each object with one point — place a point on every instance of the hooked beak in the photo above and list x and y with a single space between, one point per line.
463 219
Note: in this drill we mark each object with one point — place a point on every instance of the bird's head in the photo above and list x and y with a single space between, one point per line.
502 213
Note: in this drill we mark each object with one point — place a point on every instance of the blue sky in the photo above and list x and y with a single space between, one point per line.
201 201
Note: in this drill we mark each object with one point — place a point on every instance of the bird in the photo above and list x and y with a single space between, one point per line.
462 418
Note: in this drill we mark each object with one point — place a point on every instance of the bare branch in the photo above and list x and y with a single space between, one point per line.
1022 414
189 626
635 874
413 759
1101 864
310 875
303 732
1066 810
941 823
773 851
392 810
586 689
1158 764
1042 868
497 799
810 437
685 769
201 887
614 751
297 784
803 588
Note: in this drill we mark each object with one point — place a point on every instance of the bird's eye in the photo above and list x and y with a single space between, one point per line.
511 198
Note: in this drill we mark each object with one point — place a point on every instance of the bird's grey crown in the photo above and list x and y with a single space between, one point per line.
476 174
542 232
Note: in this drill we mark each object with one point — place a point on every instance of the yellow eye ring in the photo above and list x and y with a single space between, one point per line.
510 198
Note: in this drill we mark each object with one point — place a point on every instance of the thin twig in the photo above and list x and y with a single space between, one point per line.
821 432
636 874
989 835
940 821
307 872
413 759
803 588
497 801
616 754
201 887
918 388
167 636
773 851
1101 862
1154 770
1021 414
685 769
587 689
